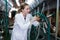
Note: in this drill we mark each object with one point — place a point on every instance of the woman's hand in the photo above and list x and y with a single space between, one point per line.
36 18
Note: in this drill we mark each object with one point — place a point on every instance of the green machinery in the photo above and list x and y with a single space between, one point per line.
4 31
42 32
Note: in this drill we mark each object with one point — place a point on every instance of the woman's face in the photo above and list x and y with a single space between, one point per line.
26 10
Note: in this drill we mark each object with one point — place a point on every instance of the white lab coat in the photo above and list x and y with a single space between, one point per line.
21 27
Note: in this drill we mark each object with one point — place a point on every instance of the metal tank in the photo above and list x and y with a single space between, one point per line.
33 3
3 5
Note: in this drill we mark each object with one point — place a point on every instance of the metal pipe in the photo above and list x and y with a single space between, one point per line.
57 17
6 23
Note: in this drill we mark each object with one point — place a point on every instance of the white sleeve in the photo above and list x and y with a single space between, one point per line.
35 23
21 24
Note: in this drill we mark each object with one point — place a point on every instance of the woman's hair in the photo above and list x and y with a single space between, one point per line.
13 13
22 6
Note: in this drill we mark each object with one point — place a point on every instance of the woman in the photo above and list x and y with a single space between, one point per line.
23 21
